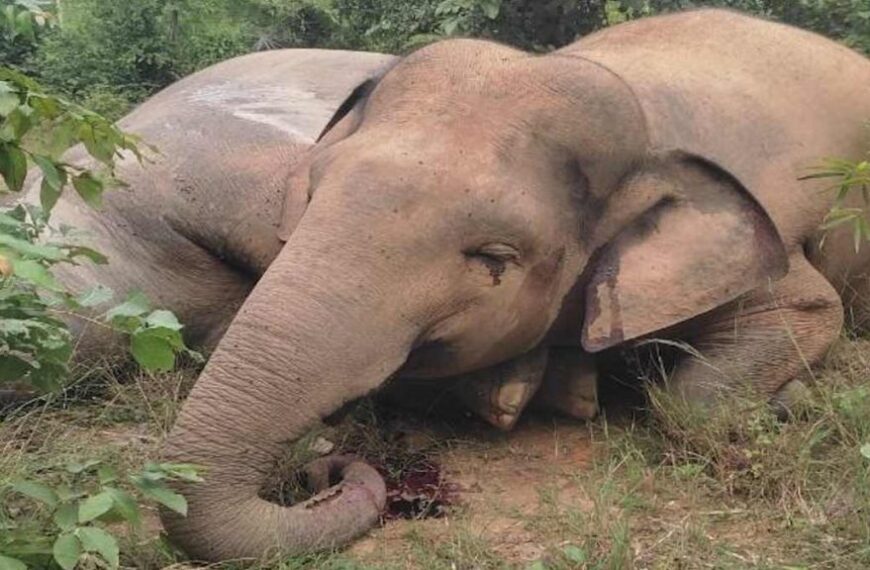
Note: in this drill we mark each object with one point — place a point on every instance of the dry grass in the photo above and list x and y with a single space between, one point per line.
670 489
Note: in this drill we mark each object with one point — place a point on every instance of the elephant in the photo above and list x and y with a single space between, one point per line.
474 214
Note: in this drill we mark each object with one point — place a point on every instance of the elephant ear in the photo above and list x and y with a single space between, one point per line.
697 239
342 124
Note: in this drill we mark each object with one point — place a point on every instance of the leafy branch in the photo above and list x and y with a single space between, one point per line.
89 496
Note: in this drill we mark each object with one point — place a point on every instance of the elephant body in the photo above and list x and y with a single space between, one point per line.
198 224
474 214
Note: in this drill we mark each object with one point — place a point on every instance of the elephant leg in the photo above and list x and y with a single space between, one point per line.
570 384
500 393
766 342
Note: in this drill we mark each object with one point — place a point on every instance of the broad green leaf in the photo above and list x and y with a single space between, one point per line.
163 319
36 273
96 141
18 123
184 471
152 351
67 516
97 540
136 305
37 491
48 195
53 180
67 551
107 474
865 450
32 250
7 563
12 368
162 495
126 505
13 166
95 296
8 101
89 188
48 107
94 507
48 377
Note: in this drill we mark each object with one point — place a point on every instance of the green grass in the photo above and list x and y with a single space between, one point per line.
667 489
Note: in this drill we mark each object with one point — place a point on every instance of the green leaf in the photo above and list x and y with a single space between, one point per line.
8 101
126 505
94 507
98 142
184 471
491 8
152 351
37 491
53 180
95 296
136 305
36 273
48 195
75 467
107 474
7 563
13 166
66 516
163 319
32 250
67 551
12 368
158 492
865 450
575 554
97 540
24 25
89 188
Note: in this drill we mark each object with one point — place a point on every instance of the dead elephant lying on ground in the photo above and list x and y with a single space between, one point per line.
475 213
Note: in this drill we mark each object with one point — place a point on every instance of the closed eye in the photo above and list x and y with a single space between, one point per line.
498 253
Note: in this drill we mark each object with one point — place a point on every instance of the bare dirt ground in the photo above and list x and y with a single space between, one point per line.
496 486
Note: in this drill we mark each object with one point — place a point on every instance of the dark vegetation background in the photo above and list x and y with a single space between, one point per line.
111 54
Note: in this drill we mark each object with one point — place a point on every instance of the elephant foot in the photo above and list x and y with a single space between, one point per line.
500 393
571 384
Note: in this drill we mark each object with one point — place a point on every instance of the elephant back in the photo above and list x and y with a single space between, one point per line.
764 101
229 136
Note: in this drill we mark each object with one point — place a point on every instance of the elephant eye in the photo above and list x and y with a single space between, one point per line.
497 252
494 257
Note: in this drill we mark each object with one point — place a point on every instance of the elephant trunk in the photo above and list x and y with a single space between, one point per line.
292 356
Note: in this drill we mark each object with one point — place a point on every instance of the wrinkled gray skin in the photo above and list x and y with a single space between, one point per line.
486 216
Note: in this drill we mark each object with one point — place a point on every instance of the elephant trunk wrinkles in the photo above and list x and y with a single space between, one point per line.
291 357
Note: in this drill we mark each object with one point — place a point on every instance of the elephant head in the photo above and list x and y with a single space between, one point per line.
456 203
